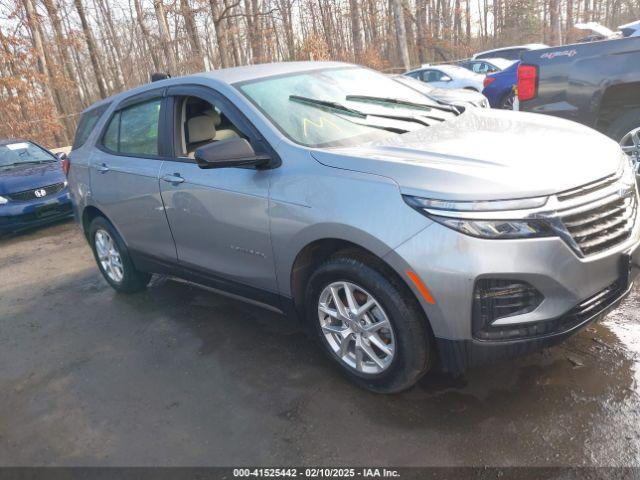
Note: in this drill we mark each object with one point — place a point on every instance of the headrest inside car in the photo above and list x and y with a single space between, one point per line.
215 115
201 129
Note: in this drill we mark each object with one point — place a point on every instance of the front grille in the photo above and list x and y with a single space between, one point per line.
586 189
598 216
595 230
27 195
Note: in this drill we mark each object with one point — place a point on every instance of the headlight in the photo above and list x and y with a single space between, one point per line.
498 229
3 200
481 206
481 227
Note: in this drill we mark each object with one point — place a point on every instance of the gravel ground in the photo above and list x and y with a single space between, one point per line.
182 376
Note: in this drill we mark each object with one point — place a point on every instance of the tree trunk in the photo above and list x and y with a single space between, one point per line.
93 51
192 33
401 33
555 31
356 29
165 39
569 23
146 35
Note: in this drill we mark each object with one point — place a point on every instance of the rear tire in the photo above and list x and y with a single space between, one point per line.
405 350
113 258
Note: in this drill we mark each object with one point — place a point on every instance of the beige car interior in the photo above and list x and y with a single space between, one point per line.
202 123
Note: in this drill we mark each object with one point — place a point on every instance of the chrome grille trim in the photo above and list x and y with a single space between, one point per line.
588 188
601 224
26 195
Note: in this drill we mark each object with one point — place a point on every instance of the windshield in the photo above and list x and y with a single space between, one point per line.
348 114
13 154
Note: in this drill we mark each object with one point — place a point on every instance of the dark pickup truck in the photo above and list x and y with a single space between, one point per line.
597 84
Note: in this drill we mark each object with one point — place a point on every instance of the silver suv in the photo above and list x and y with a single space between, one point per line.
403 234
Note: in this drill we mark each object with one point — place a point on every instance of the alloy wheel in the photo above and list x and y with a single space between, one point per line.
630 144
109 256
356 327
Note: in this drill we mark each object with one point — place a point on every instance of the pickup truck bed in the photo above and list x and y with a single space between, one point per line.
597 84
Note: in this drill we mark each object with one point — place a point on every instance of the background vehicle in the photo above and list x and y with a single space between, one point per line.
33 187
483 67
596 84
509 53
457 97
306 188
447 76
499 87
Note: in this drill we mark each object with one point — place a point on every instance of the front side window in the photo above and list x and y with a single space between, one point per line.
200 123
134 130
23 153
354 110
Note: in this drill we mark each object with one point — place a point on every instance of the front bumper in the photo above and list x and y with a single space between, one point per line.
450 263
458 355
16 216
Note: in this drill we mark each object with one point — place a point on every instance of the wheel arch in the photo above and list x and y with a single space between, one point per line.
314 253
616 100
88 214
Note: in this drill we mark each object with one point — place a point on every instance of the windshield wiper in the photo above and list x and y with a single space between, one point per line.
327 104
398 101
28 162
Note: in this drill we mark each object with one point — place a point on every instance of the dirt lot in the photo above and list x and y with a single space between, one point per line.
181 376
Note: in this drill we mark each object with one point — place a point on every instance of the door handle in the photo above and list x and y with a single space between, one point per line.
173 178
103 168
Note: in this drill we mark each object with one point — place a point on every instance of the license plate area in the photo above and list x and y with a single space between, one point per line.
47 211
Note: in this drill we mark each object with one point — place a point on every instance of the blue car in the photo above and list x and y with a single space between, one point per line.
499 87
33 186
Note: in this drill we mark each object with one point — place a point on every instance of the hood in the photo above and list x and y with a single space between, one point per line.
30 176
486 155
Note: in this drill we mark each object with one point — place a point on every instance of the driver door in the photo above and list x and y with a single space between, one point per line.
219 217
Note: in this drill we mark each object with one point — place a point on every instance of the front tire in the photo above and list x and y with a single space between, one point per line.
369 324
113 258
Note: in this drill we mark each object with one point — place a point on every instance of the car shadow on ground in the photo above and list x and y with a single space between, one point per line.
180 375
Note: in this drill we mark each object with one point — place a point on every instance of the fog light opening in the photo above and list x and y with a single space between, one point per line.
494 299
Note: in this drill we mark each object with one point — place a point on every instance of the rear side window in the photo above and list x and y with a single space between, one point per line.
86 125
134 130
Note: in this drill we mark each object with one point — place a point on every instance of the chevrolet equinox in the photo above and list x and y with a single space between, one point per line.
404 234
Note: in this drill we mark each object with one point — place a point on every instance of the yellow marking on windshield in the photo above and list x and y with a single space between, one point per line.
322 121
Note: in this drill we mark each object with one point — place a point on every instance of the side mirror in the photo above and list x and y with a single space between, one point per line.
446 78
233 152
61 156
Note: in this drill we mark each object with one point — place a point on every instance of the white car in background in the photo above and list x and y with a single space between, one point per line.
457 97
448 76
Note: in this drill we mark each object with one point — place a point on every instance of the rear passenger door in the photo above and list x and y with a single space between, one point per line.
124 175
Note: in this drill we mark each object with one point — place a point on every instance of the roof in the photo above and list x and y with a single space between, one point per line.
230 76
263 70
7 141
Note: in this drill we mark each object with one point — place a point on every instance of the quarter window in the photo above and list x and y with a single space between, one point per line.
87 121
134 130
